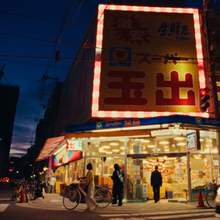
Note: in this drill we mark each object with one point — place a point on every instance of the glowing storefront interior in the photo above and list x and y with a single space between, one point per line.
137 152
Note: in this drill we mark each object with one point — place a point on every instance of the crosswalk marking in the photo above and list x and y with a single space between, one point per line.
166 215
158 213
3 207
182 216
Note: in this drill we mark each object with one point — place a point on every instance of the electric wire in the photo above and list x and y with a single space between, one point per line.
50 60
44 19
92 60
65 25
38 39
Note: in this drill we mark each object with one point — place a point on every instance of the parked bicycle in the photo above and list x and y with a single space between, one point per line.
29 190
16 194
72 197
211 194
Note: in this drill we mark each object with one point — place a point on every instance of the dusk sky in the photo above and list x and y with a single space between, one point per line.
28 42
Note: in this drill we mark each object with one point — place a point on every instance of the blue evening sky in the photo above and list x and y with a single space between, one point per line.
28 39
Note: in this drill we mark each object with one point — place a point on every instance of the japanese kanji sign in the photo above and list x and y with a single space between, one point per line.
148 60
191 141
74 145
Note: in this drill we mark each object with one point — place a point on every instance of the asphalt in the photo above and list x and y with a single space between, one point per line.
55 202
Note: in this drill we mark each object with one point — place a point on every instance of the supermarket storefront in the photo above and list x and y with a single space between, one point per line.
137 149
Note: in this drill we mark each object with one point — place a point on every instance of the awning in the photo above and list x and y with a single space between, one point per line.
49 146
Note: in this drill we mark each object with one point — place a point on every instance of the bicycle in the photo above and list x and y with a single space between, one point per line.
30 190
16 194
211 195
72 197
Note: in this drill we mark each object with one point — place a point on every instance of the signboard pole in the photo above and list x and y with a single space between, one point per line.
208 9
189 176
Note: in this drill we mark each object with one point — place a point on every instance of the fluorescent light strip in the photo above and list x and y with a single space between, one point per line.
105 130
128 128
62 148
142 127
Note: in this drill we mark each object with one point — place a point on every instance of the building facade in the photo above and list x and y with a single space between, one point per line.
8 98
140 103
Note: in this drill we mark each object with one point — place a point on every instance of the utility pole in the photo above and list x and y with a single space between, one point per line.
207 8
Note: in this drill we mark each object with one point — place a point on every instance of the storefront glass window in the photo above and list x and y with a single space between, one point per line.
204 169
208 142
105 147
158 145
70 172
174 173
103 168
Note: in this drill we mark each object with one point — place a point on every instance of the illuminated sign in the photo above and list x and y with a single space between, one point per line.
149 62
192 141
64 157
74 145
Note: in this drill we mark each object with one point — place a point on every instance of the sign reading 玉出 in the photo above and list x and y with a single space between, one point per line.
144 62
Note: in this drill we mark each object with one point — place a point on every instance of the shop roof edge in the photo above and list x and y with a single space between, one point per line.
145 121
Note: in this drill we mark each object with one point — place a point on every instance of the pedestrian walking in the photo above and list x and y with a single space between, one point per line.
91 188
118 180
156 182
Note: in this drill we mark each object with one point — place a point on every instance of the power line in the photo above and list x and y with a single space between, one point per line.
33 64
44 19
92 60
45 40
61 33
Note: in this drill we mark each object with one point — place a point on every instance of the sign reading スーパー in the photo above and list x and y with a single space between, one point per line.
148 60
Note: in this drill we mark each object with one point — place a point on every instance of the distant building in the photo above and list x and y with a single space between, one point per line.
47 127
8 101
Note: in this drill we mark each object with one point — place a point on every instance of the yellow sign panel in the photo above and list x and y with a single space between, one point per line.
148 61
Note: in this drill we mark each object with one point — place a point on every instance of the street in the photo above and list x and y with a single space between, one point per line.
130 211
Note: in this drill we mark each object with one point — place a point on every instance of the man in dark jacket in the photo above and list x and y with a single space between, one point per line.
118 179
156 182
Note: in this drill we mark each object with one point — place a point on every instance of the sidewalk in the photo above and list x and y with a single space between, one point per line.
55 202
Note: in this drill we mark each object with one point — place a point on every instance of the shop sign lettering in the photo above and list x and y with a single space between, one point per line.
114 124
175 28
144 65
74 145
191 141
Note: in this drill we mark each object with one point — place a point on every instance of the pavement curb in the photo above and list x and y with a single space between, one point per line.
55 202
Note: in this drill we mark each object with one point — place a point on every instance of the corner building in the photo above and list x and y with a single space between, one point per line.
138 104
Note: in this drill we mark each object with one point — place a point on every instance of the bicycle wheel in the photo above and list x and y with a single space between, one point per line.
103 197
210 198
71 199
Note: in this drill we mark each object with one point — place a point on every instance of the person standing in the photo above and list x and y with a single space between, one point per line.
118 180
52 184
91 188
156 182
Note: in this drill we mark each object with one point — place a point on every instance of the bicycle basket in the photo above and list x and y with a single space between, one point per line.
73 186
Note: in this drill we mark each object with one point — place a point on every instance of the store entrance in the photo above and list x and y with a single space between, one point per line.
173 168
103 169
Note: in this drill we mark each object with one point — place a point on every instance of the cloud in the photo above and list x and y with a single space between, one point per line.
17 152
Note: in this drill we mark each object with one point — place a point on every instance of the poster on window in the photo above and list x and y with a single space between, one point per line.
136 172
105 169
